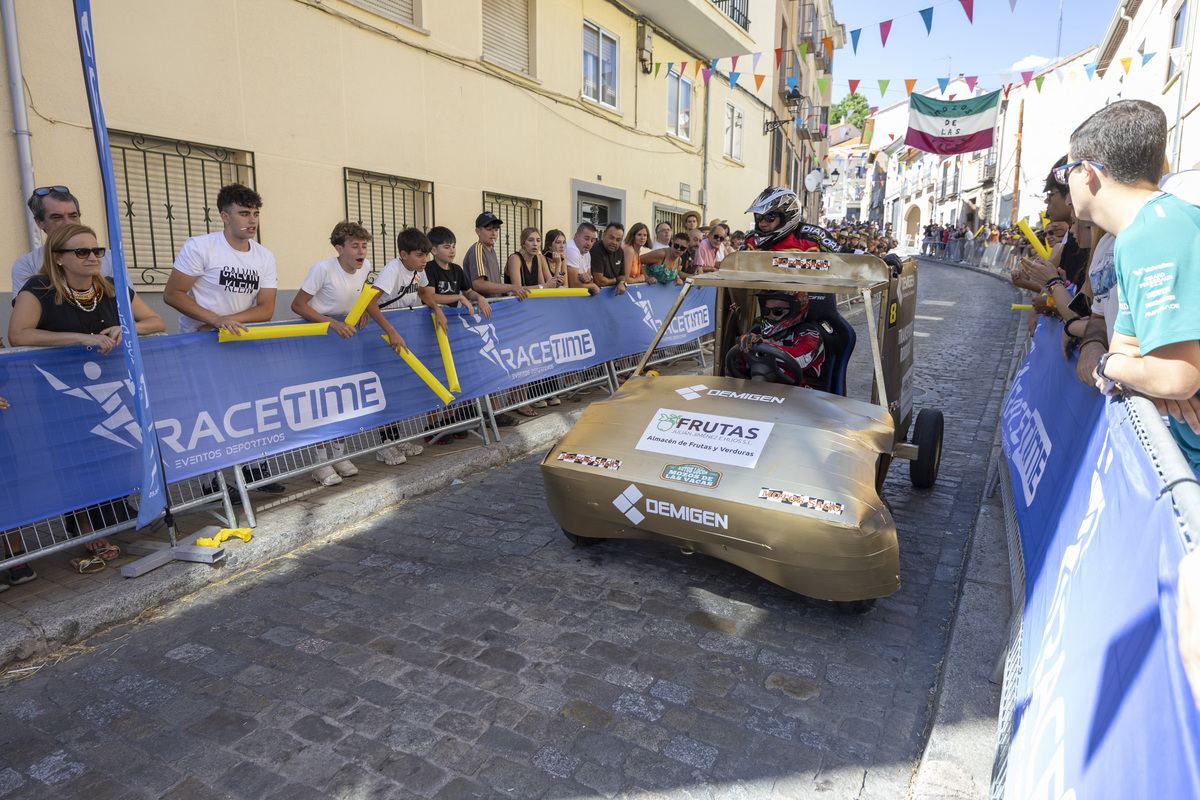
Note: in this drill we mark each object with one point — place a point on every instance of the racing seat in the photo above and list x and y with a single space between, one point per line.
837 336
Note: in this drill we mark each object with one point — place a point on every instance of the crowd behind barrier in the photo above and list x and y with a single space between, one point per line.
69 423
1095 703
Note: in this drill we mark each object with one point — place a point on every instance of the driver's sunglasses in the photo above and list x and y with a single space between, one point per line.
775 311
82 252
42 191
679 247
771 217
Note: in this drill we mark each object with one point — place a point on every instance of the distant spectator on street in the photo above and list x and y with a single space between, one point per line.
608 260
735 240
662 236
51 206
578 255
691 221
481 263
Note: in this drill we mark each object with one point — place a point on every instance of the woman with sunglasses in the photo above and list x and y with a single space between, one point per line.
70 302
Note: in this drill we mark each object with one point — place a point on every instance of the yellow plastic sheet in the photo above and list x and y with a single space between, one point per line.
424 374
580 292
1020 306
447 357
1033 240
360 305
276 332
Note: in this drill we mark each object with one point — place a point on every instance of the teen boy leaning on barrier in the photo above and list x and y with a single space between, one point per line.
225 279
1113 167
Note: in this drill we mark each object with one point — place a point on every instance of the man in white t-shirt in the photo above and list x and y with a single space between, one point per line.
578 255
662 236
51 206
225 279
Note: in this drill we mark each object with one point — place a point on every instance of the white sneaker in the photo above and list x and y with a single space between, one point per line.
345 469
326 476
390 456
409 448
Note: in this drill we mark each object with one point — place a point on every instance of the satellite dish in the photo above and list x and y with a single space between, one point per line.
812 181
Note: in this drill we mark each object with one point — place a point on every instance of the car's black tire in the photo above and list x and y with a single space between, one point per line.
927 436
580 541
854 607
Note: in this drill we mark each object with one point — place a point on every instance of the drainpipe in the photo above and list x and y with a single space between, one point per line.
1184 84
707 124
16 85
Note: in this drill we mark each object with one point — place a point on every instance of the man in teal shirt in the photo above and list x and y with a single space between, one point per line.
1113 167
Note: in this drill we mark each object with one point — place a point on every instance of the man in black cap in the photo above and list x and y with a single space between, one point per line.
481 264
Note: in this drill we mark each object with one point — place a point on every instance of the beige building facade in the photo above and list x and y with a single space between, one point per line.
393 112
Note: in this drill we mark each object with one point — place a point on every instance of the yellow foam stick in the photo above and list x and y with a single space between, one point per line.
447 357
981 227
223 534
360 305
1033 240
1019 306
424 374
275 332
580 292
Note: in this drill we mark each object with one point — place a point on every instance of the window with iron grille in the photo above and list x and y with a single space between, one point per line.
168 193
679 105
599 65
506 34
402 11
517 214
675 216
386 205
734 124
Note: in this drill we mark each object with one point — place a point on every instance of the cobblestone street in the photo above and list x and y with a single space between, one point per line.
462 647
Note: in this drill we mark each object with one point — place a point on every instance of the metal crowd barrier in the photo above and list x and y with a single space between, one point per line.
567 384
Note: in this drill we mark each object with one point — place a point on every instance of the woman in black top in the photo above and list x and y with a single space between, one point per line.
70 302
528 267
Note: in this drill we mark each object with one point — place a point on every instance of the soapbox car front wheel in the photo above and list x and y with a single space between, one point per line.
854 607
927 436
763 360
580 541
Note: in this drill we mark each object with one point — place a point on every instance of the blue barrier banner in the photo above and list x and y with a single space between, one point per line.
153 488
1103 706
217 405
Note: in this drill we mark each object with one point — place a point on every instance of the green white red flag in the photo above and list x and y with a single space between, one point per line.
952 127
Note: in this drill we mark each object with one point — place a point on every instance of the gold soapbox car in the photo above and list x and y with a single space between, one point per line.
781 480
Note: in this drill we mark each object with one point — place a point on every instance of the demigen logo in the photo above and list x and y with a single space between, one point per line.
691 392
624 504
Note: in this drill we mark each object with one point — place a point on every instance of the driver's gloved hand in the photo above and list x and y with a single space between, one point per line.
748 341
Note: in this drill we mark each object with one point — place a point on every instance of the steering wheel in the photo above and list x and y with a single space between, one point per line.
763 360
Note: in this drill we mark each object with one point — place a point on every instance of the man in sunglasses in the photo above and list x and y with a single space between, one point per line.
52 207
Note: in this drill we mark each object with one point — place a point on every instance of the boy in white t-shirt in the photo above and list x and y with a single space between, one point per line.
225 279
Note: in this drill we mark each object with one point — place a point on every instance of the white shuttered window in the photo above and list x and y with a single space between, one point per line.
506 39
599 65
396 10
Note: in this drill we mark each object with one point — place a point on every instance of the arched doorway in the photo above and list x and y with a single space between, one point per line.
912 225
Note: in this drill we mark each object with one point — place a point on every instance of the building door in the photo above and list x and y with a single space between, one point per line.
595 210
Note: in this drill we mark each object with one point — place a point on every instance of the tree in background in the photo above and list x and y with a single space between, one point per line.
852 108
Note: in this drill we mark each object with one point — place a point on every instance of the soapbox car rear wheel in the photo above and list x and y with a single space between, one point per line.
927 436
855 606
580 541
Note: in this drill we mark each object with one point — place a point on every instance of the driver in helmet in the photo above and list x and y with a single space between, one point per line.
777 225
783 325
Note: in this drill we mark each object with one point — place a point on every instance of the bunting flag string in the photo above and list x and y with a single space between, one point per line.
968 7
1038 80
758 81
854 86
909 84
943 83
732 65
927 16
754 62
1027 77
1125 62
883 87
733 78
854 39
804 51
885 28
971 83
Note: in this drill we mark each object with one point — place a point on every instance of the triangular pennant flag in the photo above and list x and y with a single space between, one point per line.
1090 69
1074 76
892 136
733 65
927 15
971 83
658 64
791 83
699 66
1125 62
866 138
804 52
754 63
884 29
758 79
968 7
778 55
943 83
854 86
713 65
1147 56
733 76
823 128
823 84
682 67
883 87
1012 5
1005 77
854 34
951 97
828 42
1061 74
1007 89
1038 80
909 83
1027 77
872 111
707 74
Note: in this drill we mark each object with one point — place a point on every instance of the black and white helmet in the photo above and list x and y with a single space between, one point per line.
776 200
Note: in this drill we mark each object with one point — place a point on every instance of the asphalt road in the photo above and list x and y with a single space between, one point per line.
461 647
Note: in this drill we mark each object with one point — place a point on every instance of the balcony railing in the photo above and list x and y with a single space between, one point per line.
736 10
